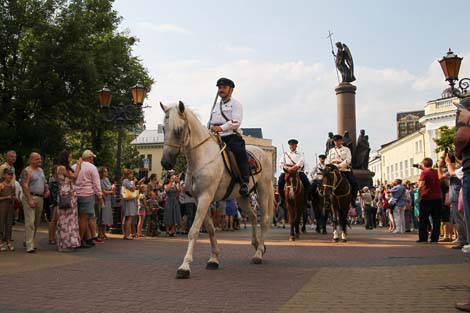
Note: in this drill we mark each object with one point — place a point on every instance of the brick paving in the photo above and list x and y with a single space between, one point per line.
374 272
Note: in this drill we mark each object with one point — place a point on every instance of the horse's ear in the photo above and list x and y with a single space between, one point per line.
181 107
164 107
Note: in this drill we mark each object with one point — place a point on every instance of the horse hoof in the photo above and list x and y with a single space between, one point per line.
182 274
291 238
257 260
344 240
335 239
212 266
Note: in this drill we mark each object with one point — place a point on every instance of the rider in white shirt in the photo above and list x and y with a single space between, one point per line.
293 160
226 119
340 156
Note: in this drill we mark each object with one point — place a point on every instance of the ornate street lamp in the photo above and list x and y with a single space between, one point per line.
121 114
450 65
138 93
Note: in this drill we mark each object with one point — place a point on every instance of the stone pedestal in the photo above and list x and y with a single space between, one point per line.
363 177
346 108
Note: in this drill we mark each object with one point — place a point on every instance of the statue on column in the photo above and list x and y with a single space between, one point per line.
361 160
347 142
329 143
344 62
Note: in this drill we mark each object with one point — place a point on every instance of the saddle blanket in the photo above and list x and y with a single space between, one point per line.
253 162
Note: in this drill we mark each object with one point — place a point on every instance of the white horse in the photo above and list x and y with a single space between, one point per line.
209 181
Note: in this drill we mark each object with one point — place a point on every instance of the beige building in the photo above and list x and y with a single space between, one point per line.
395 159
408 122
149 143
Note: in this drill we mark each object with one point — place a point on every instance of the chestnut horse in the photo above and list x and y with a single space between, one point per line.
295 202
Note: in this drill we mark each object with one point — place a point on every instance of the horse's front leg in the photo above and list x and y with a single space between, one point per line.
202 207
251 214
213 262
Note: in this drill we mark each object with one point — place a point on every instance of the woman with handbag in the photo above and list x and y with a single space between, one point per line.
67 232
129 203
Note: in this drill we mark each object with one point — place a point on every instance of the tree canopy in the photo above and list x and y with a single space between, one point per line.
54 56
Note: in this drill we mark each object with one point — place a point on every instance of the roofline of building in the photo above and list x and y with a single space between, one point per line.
388 144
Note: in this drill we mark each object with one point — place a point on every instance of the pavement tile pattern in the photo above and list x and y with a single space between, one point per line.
374 272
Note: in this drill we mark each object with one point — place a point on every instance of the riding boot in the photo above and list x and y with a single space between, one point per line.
245 172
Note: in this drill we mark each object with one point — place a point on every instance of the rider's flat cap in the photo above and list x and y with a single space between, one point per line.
322 156
293 142
337 137
225 82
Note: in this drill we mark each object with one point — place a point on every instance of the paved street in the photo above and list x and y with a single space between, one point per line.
374 272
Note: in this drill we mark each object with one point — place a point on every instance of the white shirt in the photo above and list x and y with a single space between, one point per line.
341 157
316 174
18 190
292 158
234 112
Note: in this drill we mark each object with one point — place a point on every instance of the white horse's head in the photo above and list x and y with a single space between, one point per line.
175 131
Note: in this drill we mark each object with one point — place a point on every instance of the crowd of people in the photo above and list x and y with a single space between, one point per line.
79 201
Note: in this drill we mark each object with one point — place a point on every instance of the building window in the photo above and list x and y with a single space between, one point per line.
410 125
406 168
402 126
417 126
401 170
411 166
416 147
420 146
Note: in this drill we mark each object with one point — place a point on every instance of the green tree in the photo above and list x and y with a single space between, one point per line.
445 139
54 56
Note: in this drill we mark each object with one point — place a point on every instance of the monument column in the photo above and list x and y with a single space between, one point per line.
346 109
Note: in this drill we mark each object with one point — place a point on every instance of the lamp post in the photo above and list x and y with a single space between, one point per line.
121 114
450 65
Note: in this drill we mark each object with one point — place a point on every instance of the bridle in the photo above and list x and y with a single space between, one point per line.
336 183
289 184
184 141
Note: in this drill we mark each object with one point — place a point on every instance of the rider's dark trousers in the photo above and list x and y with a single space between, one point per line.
236 144
354 186
282 182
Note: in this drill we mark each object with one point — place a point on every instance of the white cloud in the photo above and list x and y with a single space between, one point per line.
162 28
296 99
239 50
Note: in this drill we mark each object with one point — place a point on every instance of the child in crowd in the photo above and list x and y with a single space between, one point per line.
142 209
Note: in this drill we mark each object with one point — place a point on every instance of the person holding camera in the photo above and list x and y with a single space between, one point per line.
429 201
172 215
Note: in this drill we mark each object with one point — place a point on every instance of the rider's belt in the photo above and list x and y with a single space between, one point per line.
217 124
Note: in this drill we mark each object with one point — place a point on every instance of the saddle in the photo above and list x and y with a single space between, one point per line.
232 168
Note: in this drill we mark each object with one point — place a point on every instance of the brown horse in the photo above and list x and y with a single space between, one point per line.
338 192
295 202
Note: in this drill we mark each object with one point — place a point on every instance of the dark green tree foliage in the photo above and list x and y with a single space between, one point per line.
445 139
54 56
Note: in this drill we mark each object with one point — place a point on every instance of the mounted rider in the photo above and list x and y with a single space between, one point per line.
316 176
292 160
341 157
226 119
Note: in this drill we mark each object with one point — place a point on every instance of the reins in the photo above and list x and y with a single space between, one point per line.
336 184
186 137
184 143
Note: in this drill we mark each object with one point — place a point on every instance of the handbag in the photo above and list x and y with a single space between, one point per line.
126 194
65 201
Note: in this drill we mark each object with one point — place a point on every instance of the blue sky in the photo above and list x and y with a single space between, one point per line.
280 59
